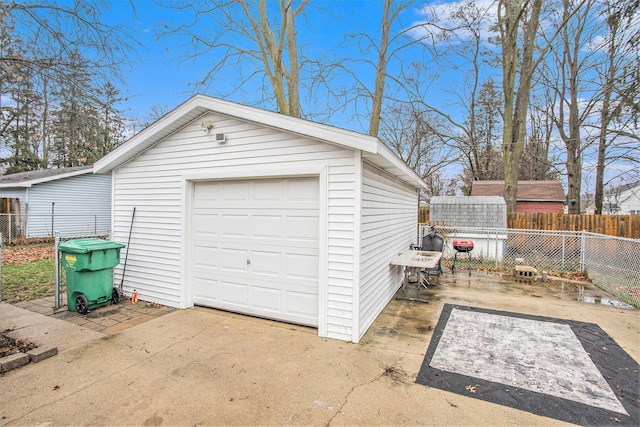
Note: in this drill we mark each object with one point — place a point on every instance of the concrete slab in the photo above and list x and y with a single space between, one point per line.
43 330
203 366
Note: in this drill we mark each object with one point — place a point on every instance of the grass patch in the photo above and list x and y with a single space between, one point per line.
28 281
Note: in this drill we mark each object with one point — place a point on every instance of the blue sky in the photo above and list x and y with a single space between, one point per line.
158 78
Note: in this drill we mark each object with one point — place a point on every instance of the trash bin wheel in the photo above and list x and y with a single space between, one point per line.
82 304
115 296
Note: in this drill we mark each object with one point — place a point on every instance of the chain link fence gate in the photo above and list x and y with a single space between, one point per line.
612 263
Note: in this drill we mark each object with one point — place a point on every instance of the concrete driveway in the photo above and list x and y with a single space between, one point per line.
202 366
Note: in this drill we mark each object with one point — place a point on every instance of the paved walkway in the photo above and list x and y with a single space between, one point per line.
110 319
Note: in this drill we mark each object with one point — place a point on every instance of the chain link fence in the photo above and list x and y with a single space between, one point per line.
612 263
22 228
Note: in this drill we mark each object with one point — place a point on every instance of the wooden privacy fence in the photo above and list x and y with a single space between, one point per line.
612 225
423 214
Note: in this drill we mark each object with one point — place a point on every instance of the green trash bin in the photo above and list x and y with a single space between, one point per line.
88 265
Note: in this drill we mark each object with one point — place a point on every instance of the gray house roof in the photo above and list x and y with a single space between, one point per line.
27 179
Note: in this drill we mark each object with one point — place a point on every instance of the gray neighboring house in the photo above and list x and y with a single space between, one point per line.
629 199
260 213
72 201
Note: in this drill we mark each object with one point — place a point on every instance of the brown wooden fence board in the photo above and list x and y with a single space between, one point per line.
612 225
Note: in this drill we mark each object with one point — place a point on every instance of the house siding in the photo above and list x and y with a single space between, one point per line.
82 206
389 226
539 207
629 200
154 184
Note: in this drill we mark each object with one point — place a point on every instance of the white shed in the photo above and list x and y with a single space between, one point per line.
72 201
264 214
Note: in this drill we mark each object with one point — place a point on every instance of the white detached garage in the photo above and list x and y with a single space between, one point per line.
264 214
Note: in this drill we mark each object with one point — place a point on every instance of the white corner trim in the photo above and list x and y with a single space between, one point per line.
323 249
187 195
357 244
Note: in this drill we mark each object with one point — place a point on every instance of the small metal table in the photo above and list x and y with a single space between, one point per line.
414 262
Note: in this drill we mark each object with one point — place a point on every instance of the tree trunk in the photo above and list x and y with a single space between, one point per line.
293 80
515 130
605 115
381 69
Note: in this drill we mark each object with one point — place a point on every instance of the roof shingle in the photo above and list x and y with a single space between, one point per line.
527 190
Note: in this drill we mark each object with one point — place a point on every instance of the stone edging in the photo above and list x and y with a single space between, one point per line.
17 360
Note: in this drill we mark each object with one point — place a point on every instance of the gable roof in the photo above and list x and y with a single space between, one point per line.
372 148
530 191
27 179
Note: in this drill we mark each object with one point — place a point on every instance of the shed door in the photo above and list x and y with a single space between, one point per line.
255 247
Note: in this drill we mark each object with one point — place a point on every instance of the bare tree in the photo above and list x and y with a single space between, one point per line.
518 22
618 76
571 62
389 15
611 201
251 34
439 184
458 40
43 37
414 136
47 42
536 162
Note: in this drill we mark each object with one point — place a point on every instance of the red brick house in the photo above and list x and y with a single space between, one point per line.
533 196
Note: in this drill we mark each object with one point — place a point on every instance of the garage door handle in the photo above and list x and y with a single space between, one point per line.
248 261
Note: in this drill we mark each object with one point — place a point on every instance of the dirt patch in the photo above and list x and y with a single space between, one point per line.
21 255
9 346
396 374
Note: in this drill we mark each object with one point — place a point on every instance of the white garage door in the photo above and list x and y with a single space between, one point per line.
255 247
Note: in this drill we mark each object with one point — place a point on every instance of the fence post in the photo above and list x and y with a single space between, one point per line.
496 251
53 205
10 227
488 242
583 238
57 271
0 267
563 253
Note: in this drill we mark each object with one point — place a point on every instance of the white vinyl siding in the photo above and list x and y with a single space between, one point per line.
389 226
18 193
340 231
82 206
154 183
629 200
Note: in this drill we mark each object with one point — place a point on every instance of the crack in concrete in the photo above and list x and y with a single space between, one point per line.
385 372
118 372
